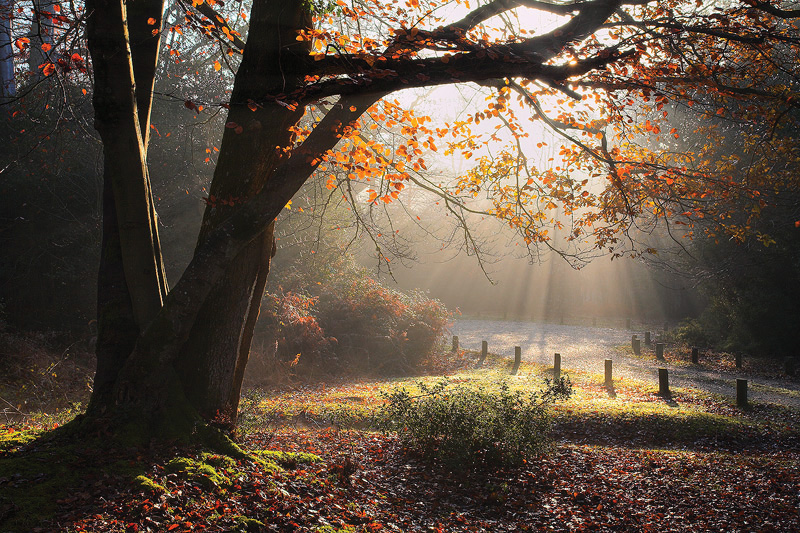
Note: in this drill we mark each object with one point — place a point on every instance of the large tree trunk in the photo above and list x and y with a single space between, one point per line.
163 368
218 348
131 280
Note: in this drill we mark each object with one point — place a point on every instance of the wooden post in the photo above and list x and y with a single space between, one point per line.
695 354
663 382
738 360
455 343
517 360
741 393
660 351
556 366
647 338
484 352
636 344
609 375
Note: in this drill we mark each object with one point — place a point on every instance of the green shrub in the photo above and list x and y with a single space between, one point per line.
461 425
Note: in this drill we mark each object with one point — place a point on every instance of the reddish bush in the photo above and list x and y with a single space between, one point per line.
351 324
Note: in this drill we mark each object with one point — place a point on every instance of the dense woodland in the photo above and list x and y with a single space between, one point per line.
189 191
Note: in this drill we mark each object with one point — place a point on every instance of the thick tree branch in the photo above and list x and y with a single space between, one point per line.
221 246
221 24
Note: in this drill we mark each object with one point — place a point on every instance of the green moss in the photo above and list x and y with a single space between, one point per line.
218 461
199 471
53 468
11 438
248 524
149 486
287 459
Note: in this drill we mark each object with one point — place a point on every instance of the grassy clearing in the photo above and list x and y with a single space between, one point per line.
633 411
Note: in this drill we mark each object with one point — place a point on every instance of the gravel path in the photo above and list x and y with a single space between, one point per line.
585 348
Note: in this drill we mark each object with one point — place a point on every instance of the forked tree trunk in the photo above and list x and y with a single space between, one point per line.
163 369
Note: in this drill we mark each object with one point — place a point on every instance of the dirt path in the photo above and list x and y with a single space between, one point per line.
585 348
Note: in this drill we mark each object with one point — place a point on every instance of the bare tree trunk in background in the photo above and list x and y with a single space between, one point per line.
8 86
41 33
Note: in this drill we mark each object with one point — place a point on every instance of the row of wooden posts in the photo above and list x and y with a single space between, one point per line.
636 345
663 373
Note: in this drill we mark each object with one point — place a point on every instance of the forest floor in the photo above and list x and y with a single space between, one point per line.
625 460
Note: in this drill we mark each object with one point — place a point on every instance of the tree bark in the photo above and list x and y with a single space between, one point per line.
8 85
131 281
216 354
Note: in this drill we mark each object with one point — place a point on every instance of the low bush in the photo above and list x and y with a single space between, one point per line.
461 425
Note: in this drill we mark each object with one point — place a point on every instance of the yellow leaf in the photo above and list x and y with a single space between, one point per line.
217 66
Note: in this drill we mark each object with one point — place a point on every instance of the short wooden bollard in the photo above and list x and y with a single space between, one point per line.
647 338
609 375
455 343
738 360
695 355
663 382
660 351
741 392
484 352
557 366
517 360
636 344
